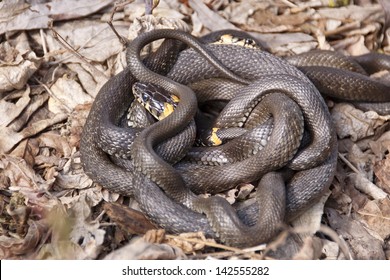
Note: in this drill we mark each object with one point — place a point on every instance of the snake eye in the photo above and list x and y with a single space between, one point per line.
145 97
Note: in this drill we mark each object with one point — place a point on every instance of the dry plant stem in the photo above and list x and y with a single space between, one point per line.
43 39
99 217
210 244
372 215
118 6
64 43
68 109
73 51
350 165
346 27
288 3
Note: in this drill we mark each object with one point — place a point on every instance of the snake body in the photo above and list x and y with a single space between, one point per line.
165 193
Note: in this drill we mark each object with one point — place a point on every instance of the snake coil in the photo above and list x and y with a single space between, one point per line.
274 96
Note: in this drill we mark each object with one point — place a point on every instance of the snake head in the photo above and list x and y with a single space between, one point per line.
156 100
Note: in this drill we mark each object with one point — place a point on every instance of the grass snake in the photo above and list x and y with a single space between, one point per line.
165 192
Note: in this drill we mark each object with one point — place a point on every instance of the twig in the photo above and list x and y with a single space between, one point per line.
288 3
75 52
65 44
212 244
350 165
118 6
43 39
344 28
372 215
68 109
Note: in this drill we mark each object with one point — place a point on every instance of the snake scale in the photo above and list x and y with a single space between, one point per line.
272 88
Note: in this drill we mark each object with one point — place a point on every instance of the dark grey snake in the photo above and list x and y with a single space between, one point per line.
270 87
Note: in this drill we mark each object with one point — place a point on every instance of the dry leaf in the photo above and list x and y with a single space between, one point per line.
330 250
60 247
18 248
367 187
21 176
128 220
363 161
381 145
23 16
376 214
210 19
139 249
351 122
352 12
362 244
87 81
9 138
14 69
154 236
11 110
66 95
85 231
137 9
92 39
382 173
45 169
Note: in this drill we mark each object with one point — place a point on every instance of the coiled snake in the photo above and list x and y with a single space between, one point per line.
273 93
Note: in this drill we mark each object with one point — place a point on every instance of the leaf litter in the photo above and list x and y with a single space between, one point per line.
50 72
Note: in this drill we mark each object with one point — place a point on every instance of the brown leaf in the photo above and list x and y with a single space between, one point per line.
30 112
9 138
60 225
21 178
128 220
15 73
362 244
382 173
376 214
351 122
77 121
66 95
139 249
210 19
11 110
21 16
85 231
330 250
14 247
